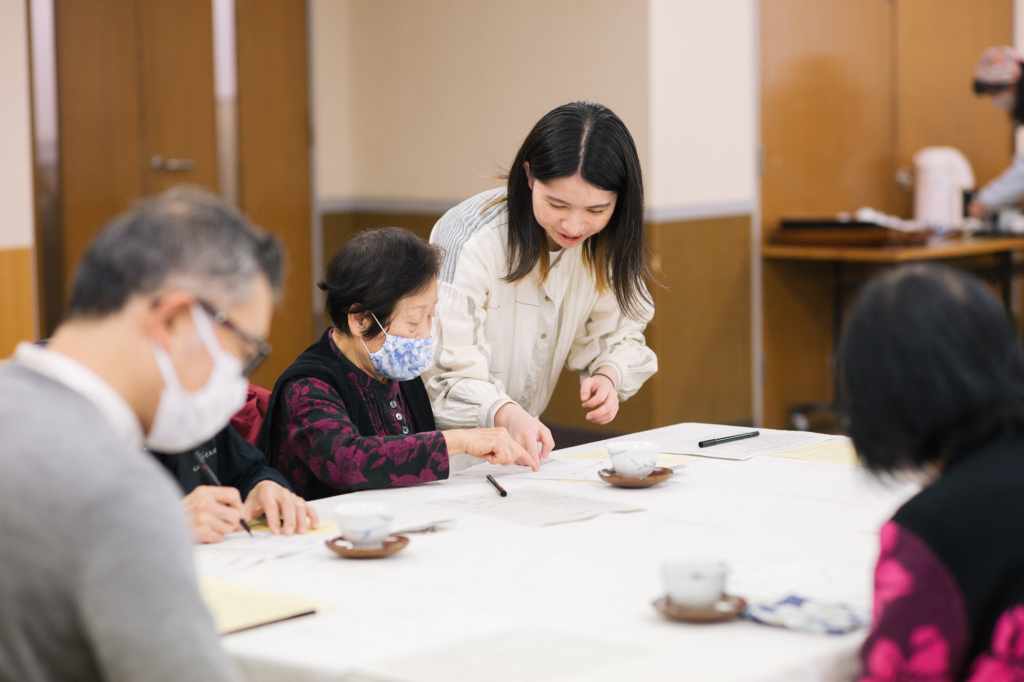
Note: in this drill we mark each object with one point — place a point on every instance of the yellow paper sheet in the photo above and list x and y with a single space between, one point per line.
838 451
328 528
236 608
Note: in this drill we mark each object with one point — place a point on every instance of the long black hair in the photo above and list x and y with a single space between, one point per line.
373 272
589 139
930 368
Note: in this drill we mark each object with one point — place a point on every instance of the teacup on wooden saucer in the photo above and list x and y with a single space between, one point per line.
654 478
343 548
729 607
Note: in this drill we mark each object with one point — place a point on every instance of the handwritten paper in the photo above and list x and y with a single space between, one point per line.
551 470
238 551
531 507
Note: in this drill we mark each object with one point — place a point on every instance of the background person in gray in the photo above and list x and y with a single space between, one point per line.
169 308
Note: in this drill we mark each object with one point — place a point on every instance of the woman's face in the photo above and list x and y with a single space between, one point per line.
570 209
413 317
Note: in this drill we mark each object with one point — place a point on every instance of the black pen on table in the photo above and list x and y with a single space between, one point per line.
727 439
211 477
501 491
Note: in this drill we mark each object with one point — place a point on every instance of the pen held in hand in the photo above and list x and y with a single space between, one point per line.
212 479
492 481
727 439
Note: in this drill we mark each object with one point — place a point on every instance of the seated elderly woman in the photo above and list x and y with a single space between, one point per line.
932 377
351 413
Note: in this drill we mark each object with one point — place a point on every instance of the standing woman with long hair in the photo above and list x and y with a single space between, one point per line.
548 272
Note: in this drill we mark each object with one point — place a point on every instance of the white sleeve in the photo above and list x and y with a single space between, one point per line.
1005 190
612 339
463 393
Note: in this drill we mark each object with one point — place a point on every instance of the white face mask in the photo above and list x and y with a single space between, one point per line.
184 420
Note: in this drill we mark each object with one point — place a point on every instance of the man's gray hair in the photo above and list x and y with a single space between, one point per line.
185 237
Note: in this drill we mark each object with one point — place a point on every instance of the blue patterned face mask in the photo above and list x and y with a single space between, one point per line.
401 358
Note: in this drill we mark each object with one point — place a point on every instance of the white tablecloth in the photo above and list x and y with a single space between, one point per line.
498 601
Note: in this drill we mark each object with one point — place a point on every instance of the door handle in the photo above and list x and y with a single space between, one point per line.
171 165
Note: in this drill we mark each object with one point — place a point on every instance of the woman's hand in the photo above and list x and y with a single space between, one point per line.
286 512
494 445
213 512
599 397
526 430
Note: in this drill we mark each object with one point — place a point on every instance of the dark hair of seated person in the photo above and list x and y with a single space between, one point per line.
375 270
930 367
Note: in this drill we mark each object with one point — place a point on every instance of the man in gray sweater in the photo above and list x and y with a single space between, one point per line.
168 312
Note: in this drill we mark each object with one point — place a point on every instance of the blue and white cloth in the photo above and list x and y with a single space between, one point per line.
807 615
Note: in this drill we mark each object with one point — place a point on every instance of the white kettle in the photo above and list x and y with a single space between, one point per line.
941 174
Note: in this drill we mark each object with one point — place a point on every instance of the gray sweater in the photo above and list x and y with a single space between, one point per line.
97 580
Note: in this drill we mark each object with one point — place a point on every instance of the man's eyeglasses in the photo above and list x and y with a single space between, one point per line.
261 349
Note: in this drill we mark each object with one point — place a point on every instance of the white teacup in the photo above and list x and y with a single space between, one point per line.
698 583
362 524
633 458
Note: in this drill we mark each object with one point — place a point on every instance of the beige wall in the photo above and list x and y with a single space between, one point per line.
16 228
702 104
429 100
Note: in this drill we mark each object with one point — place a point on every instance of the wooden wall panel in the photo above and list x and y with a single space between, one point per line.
938 44
702 329
274 157
827 107
17 298
339 227
99 122
701 333
827 113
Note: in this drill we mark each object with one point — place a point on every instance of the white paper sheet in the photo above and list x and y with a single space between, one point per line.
510 656
238 551
551 470
683 439
531 507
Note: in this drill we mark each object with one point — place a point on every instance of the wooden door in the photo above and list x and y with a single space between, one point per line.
176 86
135 80
828 145
274 138
937 45
99 119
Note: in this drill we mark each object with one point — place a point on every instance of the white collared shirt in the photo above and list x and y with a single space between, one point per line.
84 381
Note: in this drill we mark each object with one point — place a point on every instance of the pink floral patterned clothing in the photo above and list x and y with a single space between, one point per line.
949 583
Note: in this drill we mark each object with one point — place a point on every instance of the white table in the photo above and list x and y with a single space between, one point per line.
496 601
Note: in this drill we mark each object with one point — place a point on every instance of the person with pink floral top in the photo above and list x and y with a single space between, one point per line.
932 383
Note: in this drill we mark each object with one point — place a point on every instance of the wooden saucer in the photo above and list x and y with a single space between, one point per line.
343 548
729 607
654 478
